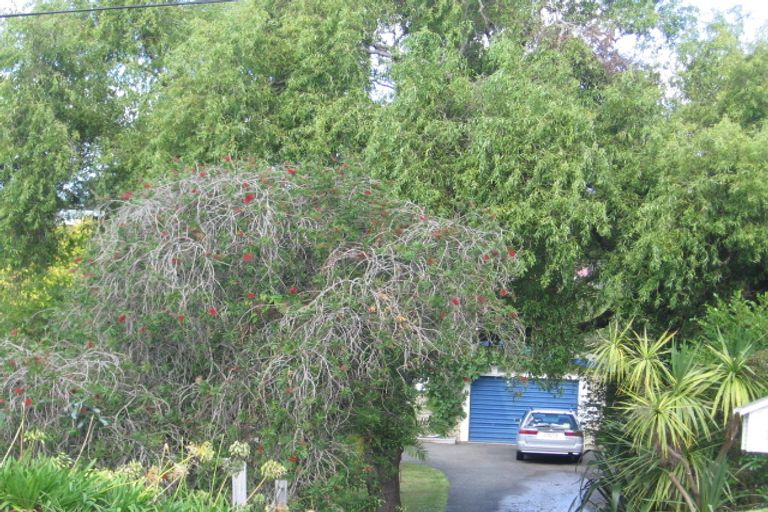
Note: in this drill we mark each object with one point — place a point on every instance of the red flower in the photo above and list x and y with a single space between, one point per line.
194 191
126 196
246 184
455 301
367 193
251 295
511 252
213 311
27 402
180 318
503 292
293 459
78 260
18 390
293 290
422 217
228 158
89 344
201 174
486 257
248 257
291 171
121 319
147 185
248 198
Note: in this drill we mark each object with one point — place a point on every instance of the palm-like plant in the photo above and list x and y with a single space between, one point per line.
737 382
665 420
648 371
671 398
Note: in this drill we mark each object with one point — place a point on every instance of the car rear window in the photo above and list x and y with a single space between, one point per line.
550 420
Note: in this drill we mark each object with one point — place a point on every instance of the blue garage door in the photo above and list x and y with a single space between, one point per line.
496 403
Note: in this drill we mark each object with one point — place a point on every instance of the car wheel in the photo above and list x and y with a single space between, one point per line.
520 455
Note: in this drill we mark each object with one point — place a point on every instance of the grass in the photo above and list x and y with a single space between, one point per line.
422 488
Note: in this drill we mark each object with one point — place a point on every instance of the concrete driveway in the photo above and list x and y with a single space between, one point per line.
487 478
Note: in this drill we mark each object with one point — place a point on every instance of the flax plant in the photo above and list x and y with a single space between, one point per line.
664 446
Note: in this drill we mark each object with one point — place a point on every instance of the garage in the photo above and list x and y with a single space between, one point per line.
496 404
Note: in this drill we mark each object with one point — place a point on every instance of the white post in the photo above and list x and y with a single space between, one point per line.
239 487
281 495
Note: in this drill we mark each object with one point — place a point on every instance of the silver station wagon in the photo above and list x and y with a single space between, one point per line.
550 432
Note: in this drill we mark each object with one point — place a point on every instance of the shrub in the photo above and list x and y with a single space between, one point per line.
43 483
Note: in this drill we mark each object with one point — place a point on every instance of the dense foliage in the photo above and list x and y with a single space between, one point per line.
623 200
41 483
669 439
523 108
291 306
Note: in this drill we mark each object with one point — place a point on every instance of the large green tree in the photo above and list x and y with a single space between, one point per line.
69 89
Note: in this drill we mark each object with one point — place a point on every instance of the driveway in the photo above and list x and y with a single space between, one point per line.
487 478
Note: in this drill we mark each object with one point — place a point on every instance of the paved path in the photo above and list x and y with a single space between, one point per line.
487 478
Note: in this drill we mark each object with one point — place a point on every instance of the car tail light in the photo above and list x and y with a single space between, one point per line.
572 433
528 431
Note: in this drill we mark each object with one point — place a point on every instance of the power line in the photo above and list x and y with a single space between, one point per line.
114 8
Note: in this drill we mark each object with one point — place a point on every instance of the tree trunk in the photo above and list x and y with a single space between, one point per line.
389 480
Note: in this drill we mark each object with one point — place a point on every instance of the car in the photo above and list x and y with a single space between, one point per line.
550 432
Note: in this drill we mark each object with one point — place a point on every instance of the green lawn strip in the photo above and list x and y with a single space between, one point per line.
422 488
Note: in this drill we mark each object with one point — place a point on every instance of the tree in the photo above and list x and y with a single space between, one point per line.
299 306
69 89
30 299
695 229
699 232
722 78
471 122
282 80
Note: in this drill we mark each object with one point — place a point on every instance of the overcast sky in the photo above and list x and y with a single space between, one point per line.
755 12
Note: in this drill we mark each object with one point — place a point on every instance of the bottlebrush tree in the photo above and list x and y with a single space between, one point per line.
296 307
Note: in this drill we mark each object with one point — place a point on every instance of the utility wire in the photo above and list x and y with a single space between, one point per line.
114 8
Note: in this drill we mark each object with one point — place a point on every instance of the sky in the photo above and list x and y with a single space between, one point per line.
755 12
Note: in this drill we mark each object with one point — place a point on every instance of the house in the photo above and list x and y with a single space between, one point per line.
754 428
495 404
